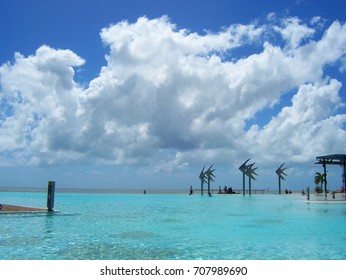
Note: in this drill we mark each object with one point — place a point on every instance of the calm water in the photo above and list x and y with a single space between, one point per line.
113 226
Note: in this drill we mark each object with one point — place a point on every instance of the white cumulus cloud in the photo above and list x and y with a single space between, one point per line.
176 98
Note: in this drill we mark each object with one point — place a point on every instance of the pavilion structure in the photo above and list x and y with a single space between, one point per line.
334 159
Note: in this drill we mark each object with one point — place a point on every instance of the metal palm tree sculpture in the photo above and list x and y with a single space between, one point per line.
210 175
202 177
243 168
249 171
281 174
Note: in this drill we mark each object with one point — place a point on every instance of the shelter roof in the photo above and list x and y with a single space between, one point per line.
337 159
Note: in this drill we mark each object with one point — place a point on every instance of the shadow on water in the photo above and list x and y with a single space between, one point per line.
134 235
20 241
117 252
267 221
171 221
37 215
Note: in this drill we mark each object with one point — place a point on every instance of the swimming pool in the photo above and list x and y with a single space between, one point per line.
170 227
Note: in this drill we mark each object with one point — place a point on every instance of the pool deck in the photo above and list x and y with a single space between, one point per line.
11 209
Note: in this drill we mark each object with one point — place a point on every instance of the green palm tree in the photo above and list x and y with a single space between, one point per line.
319 180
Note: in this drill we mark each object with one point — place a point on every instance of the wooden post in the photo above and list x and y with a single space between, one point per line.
50 196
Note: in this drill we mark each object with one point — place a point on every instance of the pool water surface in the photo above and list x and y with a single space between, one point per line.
173 226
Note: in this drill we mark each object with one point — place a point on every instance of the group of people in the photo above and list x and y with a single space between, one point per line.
333 193
226 190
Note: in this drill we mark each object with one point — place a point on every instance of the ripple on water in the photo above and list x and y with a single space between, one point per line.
171 221
117 252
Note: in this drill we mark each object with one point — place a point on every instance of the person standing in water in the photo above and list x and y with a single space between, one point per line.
191 190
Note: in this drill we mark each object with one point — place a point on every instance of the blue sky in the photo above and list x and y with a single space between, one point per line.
143 94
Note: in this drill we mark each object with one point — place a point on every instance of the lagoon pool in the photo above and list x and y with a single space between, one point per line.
173 226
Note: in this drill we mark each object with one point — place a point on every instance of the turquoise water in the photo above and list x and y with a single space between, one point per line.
169 227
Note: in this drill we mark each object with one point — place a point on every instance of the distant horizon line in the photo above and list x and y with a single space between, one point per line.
135 190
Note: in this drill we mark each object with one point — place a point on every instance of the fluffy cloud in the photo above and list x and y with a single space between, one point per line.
306 128
294 32
38 94
175 98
